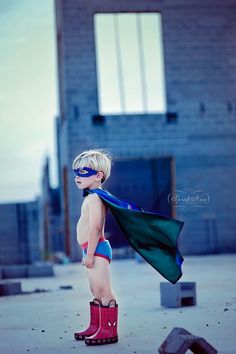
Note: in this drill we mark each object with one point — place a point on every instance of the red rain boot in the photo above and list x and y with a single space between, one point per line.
94 321
107 333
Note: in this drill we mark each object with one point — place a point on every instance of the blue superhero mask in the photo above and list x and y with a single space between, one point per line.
84 172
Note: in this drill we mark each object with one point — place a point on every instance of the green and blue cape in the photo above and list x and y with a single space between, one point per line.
153 236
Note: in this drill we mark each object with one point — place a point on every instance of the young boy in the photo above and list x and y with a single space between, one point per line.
152 235
91 169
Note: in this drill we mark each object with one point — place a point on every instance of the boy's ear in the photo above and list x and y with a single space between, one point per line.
100 174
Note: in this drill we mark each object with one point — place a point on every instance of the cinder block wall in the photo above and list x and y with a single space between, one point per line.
19 233
200 78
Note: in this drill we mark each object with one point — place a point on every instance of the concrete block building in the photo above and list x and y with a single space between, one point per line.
19 233
181 159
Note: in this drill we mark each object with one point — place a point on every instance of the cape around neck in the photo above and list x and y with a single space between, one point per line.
108 197
87 191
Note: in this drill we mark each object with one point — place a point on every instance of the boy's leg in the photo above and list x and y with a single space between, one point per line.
100 280
93 289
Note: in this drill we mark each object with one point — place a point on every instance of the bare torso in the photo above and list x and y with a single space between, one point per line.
82 228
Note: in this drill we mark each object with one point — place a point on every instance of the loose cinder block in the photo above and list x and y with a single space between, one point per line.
14 271
10 288
179 294
45 270
179 341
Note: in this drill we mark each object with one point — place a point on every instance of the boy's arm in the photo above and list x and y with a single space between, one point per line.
95 222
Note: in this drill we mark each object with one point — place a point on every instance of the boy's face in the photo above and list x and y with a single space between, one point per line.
87 178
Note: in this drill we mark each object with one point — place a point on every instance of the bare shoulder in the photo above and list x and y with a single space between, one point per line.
93 196
94 199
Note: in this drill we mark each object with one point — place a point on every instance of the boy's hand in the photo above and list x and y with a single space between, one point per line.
88 261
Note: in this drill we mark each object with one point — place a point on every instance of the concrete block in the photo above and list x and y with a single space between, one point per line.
179 294
14 271
44 270
179 341
10 288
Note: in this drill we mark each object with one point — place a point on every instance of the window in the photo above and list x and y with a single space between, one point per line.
130 65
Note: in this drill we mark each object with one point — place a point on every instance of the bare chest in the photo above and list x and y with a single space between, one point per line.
83 223
82 227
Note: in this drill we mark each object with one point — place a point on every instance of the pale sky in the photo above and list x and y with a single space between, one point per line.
28 96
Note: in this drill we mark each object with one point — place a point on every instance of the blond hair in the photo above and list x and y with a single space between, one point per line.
97 159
